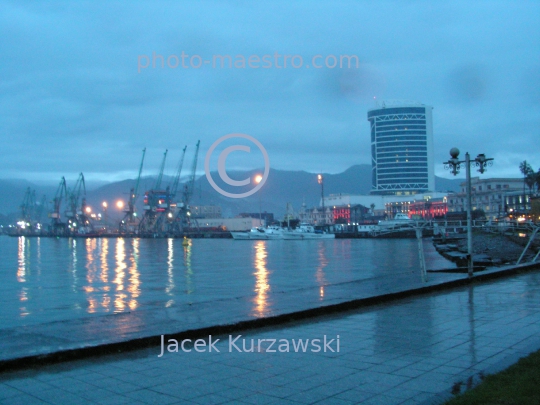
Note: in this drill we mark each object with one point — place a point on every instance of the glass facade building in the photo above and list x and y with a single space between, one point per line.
402 149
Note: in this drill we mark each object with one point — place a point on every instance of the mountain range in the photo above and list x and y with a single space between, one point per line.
281 187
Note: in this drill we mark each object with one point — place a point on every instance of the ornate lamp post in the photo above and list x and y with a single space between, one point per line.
454 165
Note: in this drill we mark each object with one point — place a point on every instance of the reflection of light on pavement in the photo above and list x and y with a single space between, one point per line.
134 282
121 266
261 283
189 271
323 262
170 267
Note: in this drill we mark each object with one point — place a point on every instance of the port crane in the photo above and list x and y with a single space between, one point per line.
28 206
40 207
171 191
78 220
183 220
155 202
57 227
129 222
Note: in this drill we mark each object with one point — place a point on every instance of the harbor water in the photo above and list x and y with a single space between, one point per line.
45 280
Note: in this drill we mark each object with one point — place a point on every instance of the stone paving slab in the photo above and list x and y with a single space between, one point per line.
412 350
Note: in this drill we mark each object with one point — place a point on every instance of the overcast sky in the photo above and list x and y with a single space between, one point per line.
74 95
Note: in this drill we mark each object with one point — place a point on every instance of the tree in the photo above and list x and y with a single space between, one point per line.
525 169
530 180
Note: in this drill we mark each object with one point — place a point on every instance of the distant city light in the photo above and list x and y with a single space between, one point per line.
120 204
258 178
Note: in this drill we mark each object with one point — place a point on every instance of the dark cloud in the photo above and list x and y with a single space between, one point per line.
468 83
72 99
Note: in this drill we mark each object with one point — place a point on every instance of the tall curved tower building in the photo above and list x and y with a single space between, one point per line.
402 149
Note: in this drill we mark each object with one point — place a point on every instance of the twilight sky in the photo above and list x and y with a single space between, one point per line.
74 97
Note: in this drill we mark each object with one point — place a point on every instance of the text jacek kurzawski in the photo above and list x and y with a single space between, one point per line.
237 344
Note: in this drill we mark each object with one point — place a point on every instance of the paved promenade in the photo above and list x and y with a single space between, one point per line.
407 351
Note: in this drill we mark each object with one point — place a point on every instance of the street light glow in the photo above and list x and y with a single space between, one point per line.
105 205
120 204
258 178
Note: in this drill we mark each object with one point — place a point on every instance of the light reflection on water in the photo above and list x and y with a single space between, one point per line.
261 280
323 262
188 270
46 279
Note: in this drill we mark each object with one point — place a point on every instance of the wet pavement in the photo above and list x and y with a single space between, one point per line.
407 351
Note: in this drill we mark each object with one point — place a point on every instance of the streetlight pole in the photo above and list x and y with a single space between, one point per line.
469 215
321 182
258 179
454 164
105 205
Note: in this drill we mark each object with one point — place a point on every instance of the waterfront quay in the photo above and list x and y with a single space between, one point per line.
83 321
414 350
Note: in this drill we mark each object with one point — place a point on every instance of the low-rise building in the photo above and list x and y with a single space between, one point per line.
435 208
228 224
381 205
266 218
488 195
315 216
205 211
517 201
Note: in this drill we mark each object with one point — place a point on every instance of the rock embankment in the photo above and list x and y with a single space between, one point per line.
500 248
494 248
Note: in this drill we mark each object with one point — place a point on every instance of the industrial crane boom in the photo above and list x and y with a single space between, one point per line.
76 194
189 186
174 187
135 192
162 168
60 192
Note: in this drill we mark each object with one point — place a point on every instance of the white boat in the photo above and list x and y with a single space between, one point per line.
260 233
306 231
399 221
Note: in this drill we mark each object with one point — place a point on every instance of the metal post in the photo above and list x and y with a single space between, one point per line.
469 215
320 179
421 256
322 197
533 235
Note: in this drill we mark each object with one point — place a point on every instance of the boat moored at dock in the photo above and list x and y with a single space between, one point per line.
260 233
306 231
